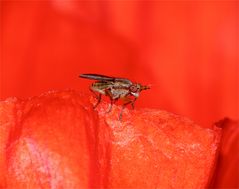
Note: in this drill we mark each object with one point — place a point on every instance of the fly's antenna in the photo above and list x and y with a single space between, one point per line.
145 87
149 86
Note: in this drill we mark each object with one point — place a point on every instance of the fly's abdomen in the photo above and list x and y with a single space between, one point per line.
100 87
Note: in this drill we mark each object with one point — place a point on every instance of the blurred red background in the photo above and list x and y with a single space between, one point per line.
187 50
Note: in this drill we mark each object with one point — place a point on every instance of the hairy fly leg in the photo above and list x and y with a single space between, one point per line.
98 97
112 100
127 100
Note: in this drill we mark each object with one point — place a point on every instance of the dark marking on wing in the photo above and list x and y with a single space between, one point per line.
97 77
104 78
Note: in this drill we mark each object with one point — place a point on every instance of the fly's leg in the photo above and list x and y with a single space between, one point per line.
133 101
110 106
98 97
123 107
127 101
98 101
108 93
112 101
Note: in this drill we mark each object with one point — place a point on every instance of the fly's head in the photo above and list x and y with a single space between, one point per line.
136 88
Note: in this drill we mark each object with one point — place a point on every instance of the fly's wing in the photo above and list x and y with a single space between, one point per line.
102 85
123 80
97 77
104 78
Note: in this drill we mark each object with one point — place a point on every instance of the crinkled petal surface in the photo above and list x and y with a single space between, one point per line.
57 140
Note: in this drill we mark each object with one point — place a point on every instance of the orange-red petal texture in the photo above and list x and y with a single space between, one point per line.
57 140
227 172
48 145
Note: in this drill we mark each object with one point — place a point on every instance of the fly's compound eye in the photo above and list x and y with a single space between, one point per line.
134 88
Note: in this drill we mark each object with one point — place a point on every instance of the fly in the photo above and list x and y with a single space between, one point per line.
115 88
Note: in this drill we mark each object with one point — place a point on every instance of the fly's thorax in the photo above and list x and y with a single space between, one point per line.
119 92
121 84
119 89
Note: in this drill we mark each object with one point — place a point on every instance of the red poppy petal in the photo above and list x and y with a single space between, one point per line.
57 141
227 172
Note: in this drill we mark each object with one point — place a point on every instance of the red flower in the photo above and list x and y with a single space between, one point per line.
186 50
